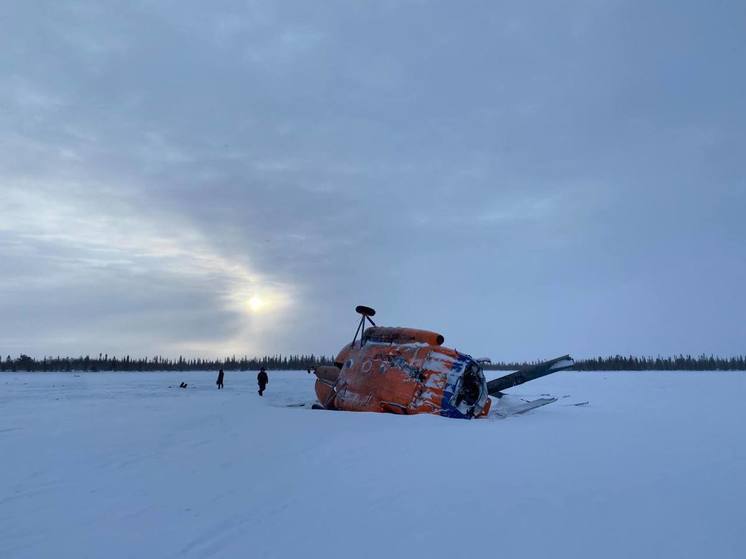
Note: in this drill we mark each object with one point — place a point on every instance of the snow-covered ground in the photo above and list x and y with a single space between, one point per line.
128 465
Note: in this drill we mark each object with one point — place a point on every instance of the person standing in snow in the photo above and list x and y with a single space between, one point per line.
219 382
262 379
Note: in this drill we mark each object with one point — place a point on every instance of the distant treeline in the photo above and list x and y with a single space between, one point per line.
127 363
632 363
300 362
676 363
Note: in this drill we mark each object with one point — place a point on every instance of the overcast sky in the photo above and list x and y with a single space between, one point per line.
527 178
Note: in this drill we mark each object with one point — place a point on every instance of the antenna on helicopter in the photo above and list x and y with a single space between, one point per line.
366 313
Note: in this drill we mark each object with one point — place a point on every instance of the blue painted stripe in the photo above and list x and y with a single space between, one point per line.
457 370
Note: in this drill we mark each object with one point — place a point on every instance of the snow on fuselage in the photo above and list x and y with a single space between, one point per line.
379 374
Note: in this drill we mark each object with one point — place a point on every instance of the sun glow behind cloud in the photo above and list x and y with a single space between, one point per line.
265 300
157 249
256 303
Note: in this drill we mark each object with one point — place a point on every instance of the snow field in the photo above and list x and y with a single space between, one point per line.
129 465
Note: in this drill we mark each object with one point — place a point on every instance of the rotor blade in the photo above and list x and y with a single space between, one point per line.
532 372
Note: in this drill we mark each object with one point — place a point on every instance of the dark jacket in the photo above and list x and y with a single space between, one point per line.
262 378
220 378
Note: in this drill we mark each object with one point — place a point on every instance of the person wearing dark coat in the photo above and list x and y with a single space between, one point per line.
262 379
219 382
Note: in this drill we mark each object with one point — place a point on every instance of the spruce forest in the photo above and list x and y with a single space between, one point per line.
104 362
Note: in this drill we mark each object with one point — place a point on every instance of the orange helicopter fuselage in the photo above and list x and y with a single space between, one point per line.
404 371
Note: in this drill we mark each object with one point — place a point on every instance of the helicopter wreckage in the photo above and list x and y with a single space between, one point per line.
409 371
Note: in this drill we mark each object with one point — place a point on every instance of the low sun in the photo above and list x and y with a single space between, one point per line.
260 301
256 303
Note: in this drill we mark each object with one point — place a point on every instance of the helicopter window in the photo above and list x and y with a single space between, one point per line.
470 388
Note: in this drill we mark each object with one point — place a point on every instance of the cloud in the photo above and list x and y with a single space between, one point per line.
122 263
510 174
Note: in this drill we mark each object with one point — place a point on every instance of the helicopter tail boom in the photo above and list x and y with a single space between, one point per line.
532 372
